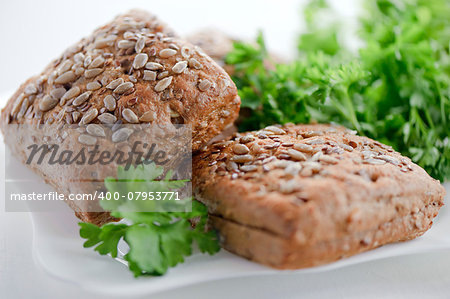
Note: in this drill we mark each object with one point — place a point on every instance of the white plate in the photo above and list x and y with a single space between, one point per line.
58 248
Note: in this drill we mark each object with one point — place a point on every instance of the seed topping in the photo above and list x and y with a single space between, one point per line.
47 103
110 102
179 67
163 84
166 53
204 85
153 66
148 116
107 118
89 116
296 155
124 87
95 130
67 77
130 116
91 73
149 75
113 84
121 134
82 98
140 60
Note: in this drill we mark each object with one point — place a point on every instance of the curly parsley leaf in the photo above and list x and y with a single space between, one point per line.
396 89
157 240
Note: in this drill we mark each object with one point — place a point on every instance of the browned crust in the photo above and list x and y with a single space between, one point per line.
278 252
344 199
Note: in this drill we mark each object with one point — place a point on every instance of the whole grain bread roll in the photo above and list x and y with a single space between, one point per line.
132 70
303 195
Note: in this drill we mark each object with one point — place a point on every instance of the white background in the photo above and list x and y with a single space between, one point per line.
34 32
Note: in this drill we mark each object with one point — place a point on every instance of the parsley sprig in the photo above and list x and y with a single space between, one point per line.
157 240
396 89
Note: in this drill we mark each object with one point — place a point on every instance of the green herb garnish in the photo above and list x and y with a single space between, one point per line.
157 240
396 89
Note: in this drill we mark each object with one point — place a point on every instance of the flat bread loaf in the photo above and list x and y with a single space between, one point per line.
304 195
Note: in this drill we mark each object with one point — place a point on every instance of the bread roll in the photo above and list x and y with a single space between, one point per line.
304 195
129 71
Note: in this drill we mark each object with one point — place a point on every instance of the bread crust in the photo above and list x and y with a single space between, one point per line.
134 69
342 195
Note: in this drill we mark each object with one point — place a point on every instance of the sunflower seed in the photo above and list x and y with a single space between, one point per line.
95 130
87 61
71 93
30 89
57 93
93 85
195 64
140 60
275 130
105 41
24 107
374 161
47 103
153 66
91 73
107 118
76 115
78 58
130 116
246 139
163 84
149 75
162 75
125 44
296 155
121 134
240 149
242 158
81 99
98 62
110 102
303 147
166 53
316 156
248 168
368 154
124 87
79 71
113 84
328 159
129 35
87 139
315 141
204 85
346 147
179 67
65 66
89 116
148 116
65 78
140 44
388 159
231 166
